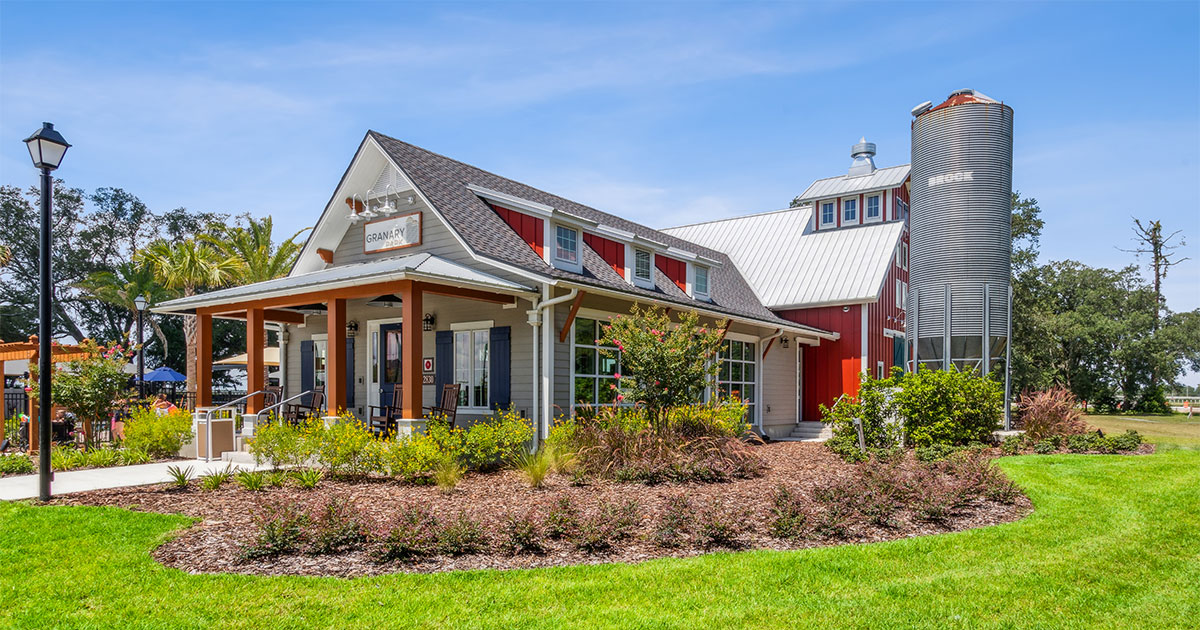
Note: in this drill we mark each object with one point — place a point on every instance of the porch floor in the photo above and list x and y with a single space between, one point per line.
26 486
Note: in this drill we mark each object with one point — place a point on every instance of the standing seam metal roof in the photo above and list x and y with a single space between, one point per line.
889 177
791 266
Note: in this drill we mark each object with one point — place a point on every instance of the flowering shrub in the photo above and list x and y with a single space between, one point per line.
91 387
158 436
342 446
664 364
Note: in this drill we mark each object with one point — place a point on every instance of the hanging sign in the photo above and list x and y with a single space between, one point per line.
396 232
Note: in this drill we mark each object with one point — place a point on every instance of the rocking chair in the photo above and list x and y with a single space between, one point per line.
297 413
449 405
382 417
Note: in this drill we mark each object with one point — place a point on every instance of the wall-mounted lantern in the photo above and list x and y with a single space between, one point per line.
351 328
428 322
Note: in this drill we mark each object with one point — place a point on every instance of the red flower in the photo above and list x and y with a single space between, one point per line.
617 376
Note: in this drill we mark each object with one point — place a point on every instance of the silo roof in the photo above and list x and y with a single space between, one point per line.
789 265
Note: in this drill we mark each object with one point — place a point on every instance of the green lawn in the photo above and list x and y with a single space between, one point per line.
1113 544
1169 430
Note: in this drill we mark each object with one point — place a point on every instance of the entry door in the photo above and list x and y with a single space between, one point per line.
390 361
898 358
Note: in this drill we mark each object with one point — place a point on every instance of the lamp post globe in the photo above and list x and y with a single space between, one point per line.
139 303
46 148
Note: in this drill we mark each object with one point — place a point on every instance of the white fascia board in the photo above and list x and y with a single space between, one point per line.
613 233
804 305
512 202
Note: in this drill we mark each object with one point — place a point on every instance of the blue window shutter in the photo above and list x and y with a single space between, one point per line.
307 378
499 392
443 369
349 373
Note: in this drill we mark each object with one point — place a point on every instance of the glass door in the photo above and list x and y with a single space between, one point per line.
390 365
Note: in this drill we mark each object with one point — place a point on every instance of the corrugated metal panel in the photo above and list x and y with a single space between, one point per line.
889 177
789 265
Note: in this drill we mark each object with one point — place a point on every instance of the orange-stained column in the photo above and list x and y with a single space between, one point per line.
335 357
204 360
255 370
410 349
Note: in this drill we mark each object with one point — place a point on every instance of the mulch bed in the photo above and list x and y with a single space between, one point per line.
213 545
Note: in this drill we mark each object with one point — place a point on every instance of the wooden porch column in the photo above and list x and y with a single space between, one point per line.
255 341
410 349
204 360
335 357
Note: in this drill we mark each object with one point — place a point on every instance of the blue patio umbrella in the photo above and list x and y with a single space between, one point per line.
164 374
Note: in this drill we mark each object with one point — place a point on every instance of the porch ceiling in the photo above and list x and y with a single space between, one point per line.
423 267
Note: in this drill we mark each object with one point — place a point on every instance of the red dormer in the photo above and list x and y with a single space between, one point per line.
864 195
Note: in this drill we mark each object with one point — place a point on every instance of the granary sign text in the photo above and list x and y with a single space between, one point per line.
395 232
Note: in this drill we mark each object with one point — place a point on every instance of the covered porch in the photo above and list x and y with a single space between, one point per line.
394 303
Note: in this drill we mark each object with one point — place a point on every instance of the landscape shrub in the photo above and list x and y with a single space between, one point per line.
1044 447
132 456
253 481
447 472
788 518
608 524
534 466
934 452
214 480
341 447
1153 400
308 478
1082 442
923 408
675 524
102 457
520 534
67 458
1052 412
563 519
461 536
160 436
180 476
1011 445
622 443
17 464
283 445
275 478
279 529
718 525
487 444
411 534
1127 441
335 525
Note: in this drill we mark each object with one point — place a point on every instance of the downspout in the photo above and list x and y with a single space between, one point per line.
536 319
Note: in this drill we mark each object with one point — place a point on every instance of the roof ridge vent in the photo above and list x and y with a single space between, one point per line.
864 158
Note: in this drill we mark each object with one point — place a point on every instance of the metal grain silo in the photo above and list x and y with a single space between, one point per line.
960 232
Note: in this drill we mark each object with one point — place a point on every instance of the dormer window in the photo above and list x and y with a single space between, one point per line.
700 284
874 209
566 245
827 213
643 268
849 211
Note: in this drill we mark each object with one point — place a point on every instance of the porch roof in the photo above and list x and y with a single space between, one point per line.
423 266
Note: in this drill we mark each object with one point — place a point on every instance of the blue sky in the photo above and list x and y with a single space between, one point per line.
663 113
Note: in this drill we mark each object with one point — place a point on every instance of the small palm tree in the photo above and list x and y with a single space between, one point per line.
121 286
186 266
258 257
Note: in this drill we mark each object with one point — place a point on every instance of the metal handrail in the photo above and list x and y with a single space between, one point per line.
284 402
208 421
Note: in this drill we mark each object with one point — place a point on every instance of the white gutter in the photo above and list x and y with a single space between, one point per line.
543 404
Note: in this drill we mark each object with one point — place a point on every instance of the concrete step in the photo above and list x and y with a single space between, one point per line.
809 432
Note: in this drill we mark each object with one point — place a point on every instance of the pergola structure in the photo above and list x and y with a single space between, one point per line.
256 312
28 351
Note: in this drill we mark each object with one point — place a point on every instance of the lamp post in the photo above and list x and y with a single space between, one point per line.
46 149
140 303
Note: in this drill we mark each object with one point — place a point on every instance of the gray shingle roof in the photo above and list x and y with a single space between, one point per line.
444 182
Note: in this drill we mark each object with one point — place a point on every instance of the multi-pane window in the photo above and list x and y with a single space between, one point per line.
849 210
595 366
901 209
320 355
641 265
471 366
827 216
736 376
700 286
873 209
566 244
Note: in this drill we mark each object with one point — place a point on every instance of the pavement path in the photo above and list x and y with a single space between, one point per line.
26 486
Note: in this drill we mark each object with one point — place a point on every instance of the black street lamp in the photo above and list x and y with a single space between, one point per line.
140 303
46 148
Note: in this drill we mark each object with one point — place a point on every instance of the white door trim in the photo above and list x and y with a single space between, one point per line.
373 356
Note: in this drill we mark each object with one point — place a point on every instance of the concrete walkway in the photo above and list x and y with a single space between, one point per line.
26 486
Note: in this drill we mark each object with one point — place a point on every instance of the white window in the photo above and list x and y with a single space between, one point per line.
899 293
879 370
472 362
595 366
904 255
320 357
901 211
827 213
736 376
904 295
643 268
700 286
566 245
874 211
849 211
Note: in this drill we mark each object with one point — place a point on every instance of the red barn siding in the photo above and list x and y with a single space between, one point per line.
676 270
611 251
529 228
830 369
